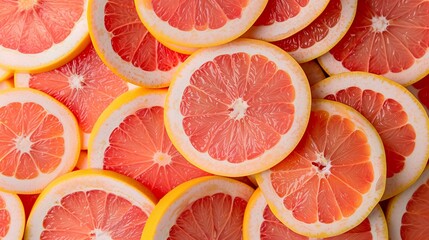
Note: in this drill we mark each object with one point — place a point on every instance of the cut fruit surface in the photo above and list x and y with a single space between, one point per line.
198 23
420 89
283 18
323 33
126 47
313 71
5 74
407 212
39 140
237 109
389 38
38 36
130 138
90 204
333 179
397 115
85 85
202 208
12 216
260 223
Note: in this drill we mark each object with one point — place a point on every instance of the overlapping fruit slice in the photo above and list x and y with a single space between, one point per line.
12 216
420 89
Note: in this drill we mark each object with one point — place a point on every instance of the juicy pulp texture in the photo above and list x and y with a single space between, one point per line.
4 219
415 220
423 90
280 11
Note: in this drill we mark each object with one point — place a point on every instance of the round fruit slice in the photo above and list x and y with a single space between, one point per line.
283 18
39 140
239 108
41 35
126 47
333 179
407 212
323 33
12 216
198 23
420 89
90 204
130 138
313 71
202 208
5 74
85 85
388 38
260 223
397 115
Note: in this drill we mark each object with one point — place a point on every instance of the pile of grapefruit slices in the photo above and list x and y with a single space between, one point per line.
214 119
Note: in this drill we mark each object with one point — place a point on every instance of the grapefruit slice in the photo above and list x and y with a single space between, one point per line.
126 47
397 115
420 90
41 35
260 223
130 138
283 18
12 216
407 212
85 85
313 71
389 38
237 109
198 23
39 140
5 74
202 208
90 204
333 179
323 33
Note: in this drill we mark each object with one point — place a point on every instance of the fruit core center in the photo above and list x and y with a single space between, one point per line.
161 158
76 81
26 4
322 165
99 234
379 23
238 109
23 144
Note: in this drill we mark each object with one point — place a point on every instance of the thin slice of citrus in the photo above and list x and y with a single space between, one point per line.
313 71
333 179
130 138
283 18
41 35
126 47
39 140
5 74
90 204
202 208
12 216
420 89
198 23
397 115
260 223
85 85
389 38
323 33
239 108
407 213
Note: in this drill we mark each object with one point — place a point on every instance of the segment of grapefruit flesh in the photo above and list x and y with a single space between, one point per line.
420 89
280 11
218 216
4 219
237 99
94 214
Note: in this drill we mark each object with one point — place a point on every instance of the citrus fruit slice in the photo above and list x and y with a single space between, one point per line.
5 74
313 71
41 35
126 47
12 216
198 23
420 89
283 18
85 85
39 140
389 38
333 179
260 223
397 115
202 208
130 138
90 204
239 108
323 33
407 212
